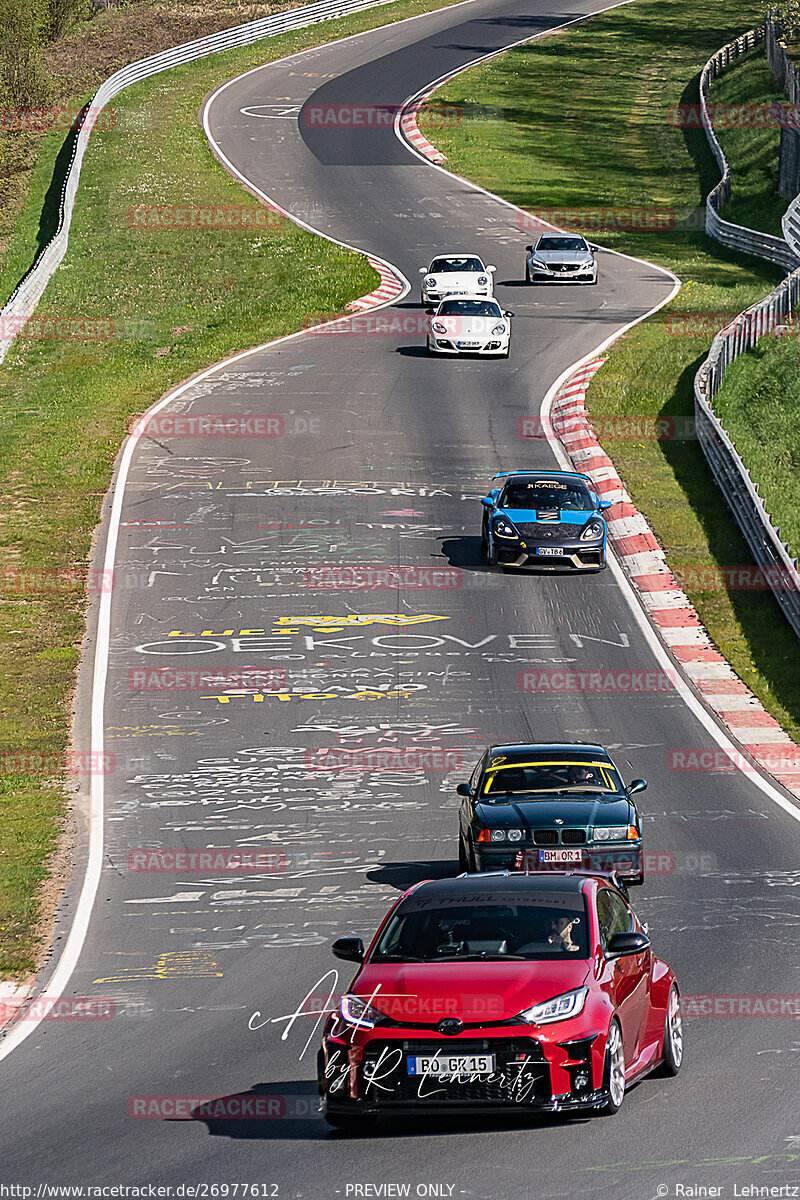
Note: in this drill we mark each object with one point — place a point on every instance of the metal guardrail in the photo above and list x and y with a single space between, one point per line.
738 237
26 296
740 492
790 223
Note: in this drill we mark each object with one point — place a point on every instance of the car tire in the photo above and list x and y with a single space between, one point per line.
484 540
463 857
672 1055
491 554
613 1071
350 1122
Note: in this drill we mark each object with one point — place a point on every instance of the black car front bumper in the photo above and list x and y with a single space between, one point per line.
562 554
625 859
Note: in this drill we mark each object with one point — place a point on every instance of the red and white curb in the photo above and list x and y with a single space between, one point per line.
390 287
668 606
411 131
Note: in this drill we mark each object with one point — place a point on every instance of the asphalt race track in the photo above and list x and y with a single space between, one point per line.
384 455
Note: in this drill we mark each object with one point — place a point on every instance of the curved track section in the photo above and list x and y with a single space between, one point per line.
383 456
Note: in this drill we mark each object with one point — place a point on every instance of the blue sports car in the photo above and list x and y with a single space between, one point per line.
551 520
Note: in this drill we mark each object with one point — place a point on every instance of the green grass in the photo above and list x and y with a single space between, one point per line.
579 120
179 300
759 404
748 86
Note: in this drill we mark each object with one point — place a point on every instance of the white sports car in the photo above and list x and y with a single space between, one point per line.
561 257
456 275
469 325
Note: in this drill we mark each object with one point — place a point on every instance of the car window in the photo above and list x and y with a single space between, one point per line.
613 916
476 774
543 929
469 308
561 243
547 495
441 266
567 777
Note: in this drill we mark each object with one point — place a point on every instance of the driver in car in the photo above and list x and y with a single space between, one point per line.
584 775
561 933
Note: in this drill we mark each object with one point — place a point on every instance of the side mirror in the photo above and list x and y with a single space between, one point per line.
604 505
487 501
592 246
627 943
351 949
491 268
638 785
508 313
430 312
423 270
529 249
463 789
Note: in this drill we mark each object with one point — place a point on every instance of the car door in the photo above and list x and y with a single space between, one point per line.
467 808
627 977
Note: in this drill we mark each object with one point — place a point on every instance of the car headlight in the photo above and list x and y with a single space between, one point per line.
589 262
504 528
569 1004
592 531
438 327
540 266
430 281
482 280
515 835
616 833
357 1012
499 329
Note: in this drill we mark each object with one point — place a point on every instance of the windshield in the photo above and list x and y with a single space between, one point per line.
562 243
562 776
469 308
441 266
548 494
553 927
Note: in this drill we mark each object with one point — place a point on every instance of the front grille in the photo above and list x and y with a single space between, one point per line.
533 1076
545 837
573 837
549 529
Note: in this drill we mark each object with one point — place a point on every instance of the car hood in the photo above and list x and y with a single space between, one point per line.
560 256
474 992
541 814
566 516
461 281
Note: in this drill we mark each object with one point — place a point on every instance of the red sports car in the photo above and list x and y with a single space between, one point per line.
500 992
